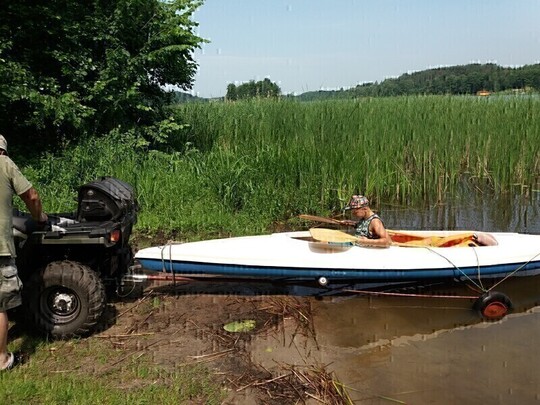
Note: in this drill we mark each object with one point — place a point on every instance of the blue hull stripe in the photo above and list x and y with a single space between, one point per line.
195 268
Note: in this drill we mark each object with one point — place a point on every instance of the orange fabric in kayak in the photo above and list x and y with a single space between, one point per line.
405 239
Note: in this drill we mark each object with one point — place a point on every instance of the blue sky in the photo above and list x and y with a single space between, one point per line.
307 45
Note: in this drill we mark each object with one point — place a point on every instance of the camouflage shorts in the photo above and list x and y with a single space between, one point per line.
10 284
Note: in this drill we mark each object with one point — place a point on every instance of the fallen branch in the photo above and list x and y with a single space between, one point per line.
124 335
258 383
205 356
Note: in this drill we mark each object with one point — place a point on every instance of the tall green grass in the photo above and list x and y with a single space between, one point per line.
393 148
240 167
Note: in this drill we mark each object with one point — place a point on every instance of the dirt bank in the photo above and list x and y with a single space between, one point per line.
184 325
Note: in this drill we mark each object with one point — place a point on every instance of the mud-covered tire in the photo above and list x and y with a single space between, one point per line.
65 299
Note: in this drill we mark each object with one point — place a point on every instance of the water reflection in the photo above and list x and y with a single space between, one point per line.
479 363
364 322
412 350
485 212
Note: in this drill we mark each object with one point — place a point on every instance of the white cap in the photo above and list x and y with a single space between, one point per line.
3 143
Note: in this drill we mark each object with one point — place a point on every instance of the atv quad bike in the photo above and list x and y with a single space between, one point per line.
68 268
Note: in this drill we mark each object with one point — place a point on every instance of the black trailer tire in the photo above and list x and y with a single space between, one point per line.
493 306
65 299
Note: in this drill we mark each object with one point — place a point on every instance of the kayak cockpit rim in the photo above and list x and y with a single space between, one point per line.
403 238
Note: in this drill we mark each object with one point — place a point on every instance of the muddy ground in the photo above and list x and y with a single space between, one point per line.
185 325
386 350
383 349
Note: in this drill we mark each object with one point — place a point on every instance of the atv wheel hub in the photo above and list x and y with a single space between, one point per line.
63 303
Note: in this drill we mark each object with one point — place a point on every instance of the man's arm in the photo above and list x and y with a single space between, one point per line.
347 222
377 228
33 203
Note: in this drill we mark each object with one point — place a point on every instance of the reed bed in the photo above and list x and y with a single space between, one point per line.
244 167
398 149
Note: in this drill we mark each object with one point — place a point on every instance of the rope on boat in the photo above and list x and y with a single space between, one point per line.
516 270
469 297
169 244
479 286
478 269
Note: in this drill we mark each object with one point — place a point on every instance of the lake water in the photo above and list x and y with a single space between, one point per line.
416 350
434 351
431 351
482 212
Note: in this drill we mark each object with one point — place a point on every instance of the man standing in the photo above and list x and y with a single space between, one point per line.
11 182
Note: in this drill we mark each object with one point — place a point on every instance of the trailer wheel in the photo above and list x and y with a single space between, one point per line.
65 299
493 305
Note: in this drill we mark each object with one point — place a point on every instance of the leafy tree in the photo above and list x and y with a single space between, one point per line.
262 89
231 92
182 97
70 69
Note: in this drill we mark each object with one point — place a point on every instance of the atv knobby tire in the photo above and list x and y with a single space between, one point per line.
65 299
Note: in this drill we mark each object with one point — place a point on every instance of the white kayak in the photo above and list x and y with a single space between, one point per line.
415 256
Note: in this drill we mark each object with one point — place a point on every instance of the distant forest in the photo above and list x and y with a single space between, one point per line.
457 80
466 79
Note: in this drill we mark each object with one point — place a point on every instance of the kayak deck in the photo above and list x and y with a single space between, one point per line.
297 255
